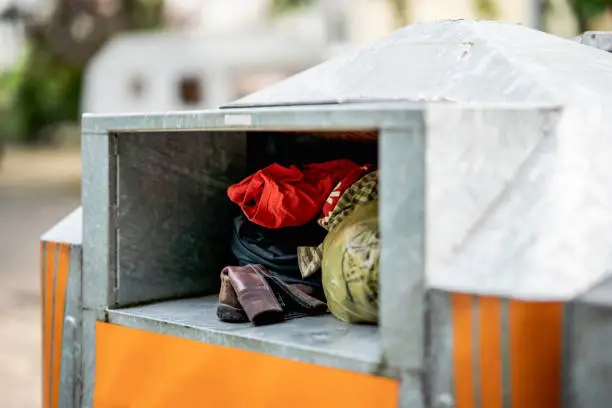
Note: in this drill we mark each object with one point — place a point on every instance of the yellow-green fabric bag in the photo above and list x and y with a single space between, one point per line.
351 259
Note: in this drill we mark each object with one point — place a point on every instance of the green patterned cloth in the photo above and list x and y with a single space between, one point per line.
362 191
350 266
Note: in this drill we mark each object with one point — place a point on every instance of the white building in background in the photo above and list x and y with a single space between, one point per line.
230 48
172 71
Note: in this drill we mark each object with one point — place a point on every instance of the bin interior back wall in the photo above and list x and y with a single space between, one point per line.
173 219
172 212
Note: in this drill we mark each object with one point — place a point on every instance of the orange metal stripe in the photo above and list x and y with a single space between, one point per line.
462 346
141 369
61 282
535 353
42 270
49 271
490 354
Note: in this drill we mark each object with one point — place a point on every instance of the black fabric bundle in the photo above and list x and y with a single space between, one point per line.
275 249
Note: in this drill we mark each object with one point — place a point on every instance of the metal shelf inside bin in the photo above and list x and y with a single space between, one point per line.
322 340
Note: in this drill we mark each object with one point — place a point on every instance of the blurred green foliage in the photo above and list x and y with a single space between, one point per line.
9 122
281 6
586 10
486 9
44 88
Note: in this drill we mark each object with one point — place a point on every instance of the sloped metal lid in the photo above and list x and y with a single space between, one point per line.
456 61
69 230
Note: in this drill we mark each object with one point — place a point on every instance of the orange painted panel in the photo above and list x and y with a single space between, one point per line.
490 352
54 279
534 341
140 369
462 344
42 272
48 271
61 282
535 354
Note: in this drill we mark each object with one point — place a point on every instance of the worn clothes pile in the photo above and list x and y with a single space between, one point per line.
349 255
287 265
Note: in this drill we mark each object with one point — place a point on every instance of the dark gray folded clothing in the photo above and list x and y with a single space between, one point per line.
275 249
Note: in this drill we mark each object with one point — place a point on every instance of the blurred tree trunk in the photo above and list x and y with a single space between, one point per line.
59 48
400 12
77 29
582 21
585 10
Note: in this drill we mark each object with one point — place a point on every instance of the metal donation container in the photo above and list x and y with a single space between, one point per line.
494 147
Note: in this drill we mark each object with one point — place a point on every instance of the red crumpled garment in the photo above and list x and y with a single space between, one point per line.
278 196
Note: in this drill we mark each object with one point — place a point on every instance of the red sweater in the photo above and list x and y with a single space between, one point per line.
278 196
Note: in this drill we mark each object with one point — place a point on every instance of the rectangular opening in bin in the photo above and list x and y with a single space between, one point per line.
173 232
174 220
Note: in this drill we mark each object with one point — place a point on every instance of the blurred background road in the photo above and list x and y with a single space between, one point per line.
38 187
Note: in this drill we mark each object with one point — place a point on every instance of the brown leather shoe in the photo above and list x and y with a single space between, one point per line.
253 293
229 309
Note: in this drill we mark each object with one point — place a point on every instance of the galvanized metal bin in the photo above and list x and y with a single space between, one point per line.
494 215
